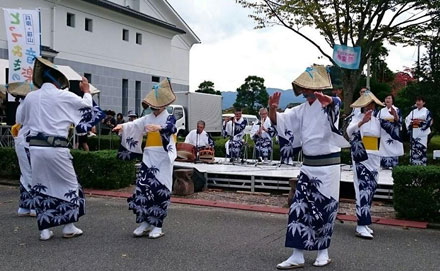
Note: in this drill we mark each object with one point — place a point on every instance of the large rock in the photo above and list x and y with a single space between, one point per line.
183 183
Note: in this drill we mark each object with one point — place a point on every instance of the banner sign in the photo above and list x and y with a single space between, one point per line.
347 57
23 33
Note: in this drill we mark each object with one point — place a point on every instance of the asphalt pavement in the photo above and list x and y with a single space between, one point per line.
198 238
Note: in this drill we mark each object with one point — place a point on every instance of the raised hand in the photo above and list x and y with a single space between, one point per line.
274 100
117 128
323 99
367 116
84 85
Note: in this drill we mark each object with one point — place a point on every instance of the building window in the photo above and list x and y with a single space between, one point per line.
124 96
138 97
88 26
155 79
70 19
125 34
138 38
88 76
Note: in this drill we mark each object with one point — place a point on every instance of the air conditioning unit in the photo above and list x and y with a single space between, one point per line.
436 154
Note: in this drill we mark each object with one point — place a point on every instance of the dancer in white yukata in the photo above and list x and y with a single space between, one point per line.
235 130
418 123
19 131
262 133
315 203
154 181
48 113
365 131
199 138
390 148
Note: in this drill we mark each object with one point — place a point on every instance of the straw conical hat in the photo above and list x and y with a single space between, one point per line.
19 88
366 99
161 95
315 78
41 65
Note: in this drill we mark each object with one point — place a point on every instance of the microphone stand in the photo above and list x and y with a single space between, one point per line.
197 149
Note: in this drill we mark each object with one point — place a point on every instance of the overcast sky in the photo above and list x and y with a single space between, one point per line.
232 49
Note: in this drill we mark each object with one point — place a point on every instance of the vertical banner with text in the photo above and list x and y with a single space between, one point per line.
23 34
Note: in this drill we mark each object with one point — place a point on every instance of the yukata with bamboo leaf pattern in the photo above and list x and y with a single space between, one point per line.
152 194
366 162
419 135
55 191
315 203
263 142
236 132
391 146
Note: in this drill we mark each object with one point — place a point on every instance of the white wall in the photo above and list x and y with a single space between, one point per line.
162 52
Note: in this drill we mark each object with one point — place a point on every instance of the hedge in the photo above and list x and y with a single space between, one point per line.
98 169
417 192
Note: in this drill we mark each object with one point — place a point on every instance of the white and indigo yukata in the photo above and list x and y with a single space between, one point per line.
263 142
290 143
56 193
315 203
235 132
365 151
419 135
24 161
391 146
201 140
154 180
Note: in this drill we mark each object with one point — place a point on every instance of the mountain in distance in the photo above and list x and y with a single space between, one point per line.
287 96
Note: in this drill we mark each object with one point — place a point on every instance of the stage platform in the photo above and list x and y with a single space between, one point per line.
270 177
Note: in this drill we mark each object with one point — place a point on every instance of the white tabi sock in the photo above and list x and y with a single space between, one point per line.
70 228
23 211
143 227
322 255
296 257
155 233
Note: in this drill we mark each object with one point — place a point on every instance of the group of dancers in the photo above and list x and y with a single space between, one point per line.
51 191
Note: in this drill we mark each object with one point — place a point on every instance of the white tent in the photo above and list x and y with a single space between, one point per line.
66 70
72 75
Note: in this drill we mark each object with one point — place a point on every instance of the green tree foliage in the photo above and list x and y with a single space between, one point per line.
208 87
428 73
363 23
252 95
379 68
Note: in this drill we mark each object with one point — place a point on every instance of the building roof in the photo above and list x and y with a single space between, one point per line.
135 14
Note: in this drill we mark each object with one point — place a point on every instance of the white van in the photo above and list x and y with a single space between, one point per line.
251 120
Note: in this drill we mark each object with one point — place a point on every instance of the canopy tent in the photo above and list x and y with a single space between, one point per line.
71 74
4 63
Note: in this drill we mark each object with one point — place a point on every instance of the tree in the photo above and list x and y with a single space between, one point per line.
363 23
208 87
252 95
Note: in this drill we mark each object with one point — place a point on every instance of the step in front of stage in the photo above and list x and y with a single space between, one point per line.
274 178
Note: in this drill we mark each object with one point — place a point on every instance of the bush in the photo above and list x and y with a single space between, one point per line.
9 167
101 169
417 192
98 169
107 142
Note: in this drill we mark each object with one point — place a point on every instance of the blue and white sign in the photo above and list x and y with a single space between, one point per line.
347 57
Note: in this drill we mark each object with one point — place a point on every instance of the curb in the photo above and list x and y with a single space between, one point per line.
267 209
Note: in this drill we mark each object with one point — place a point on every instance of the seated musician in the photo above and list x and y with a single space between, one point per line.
262 133
199 138
235 130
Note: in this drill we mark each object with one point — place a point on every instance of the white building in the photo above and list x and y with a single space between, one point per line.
123 46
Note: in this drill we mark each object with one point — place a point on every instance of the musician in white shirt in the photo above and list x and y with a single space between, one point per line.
199 137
